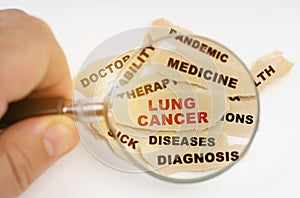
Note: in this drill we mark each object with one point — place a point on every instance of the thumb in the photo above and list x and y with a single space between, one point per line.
29 147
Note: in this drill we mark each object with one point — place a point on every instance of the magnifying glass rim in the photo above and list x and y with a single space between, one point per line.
223 169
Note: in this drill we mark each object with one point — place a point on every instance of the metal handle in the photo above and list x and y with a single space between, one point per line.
32 107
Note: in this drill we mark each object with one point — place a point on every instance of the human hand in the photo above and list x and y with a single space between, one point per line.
31 65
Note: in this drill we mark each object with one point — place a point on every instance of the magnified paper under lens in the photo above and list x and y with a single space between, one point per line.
181 107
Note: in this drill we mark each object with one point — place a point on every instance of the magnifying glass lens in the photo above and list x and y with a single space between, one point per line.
183 108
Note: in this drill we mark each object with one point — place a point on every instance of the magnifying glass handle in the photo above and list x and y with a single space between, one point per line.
32 107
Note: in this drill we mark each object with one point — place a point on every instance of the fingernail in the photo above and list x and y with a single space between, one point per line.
58 140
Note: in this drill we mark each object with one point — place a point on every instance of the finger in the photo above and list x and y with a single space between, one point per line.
29 147
31 59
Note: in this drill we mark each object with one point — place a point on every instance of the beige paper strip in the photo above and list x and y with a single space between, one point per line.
269 68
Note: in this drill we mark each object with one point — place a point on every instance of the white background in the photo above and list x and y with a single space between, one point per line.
250 29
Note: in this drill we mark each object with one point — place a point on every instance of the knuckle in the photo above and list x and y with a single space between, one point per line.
22 17
16 11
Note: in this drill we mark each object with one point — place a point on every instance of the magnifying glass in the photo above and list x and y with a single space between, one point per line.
182 108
